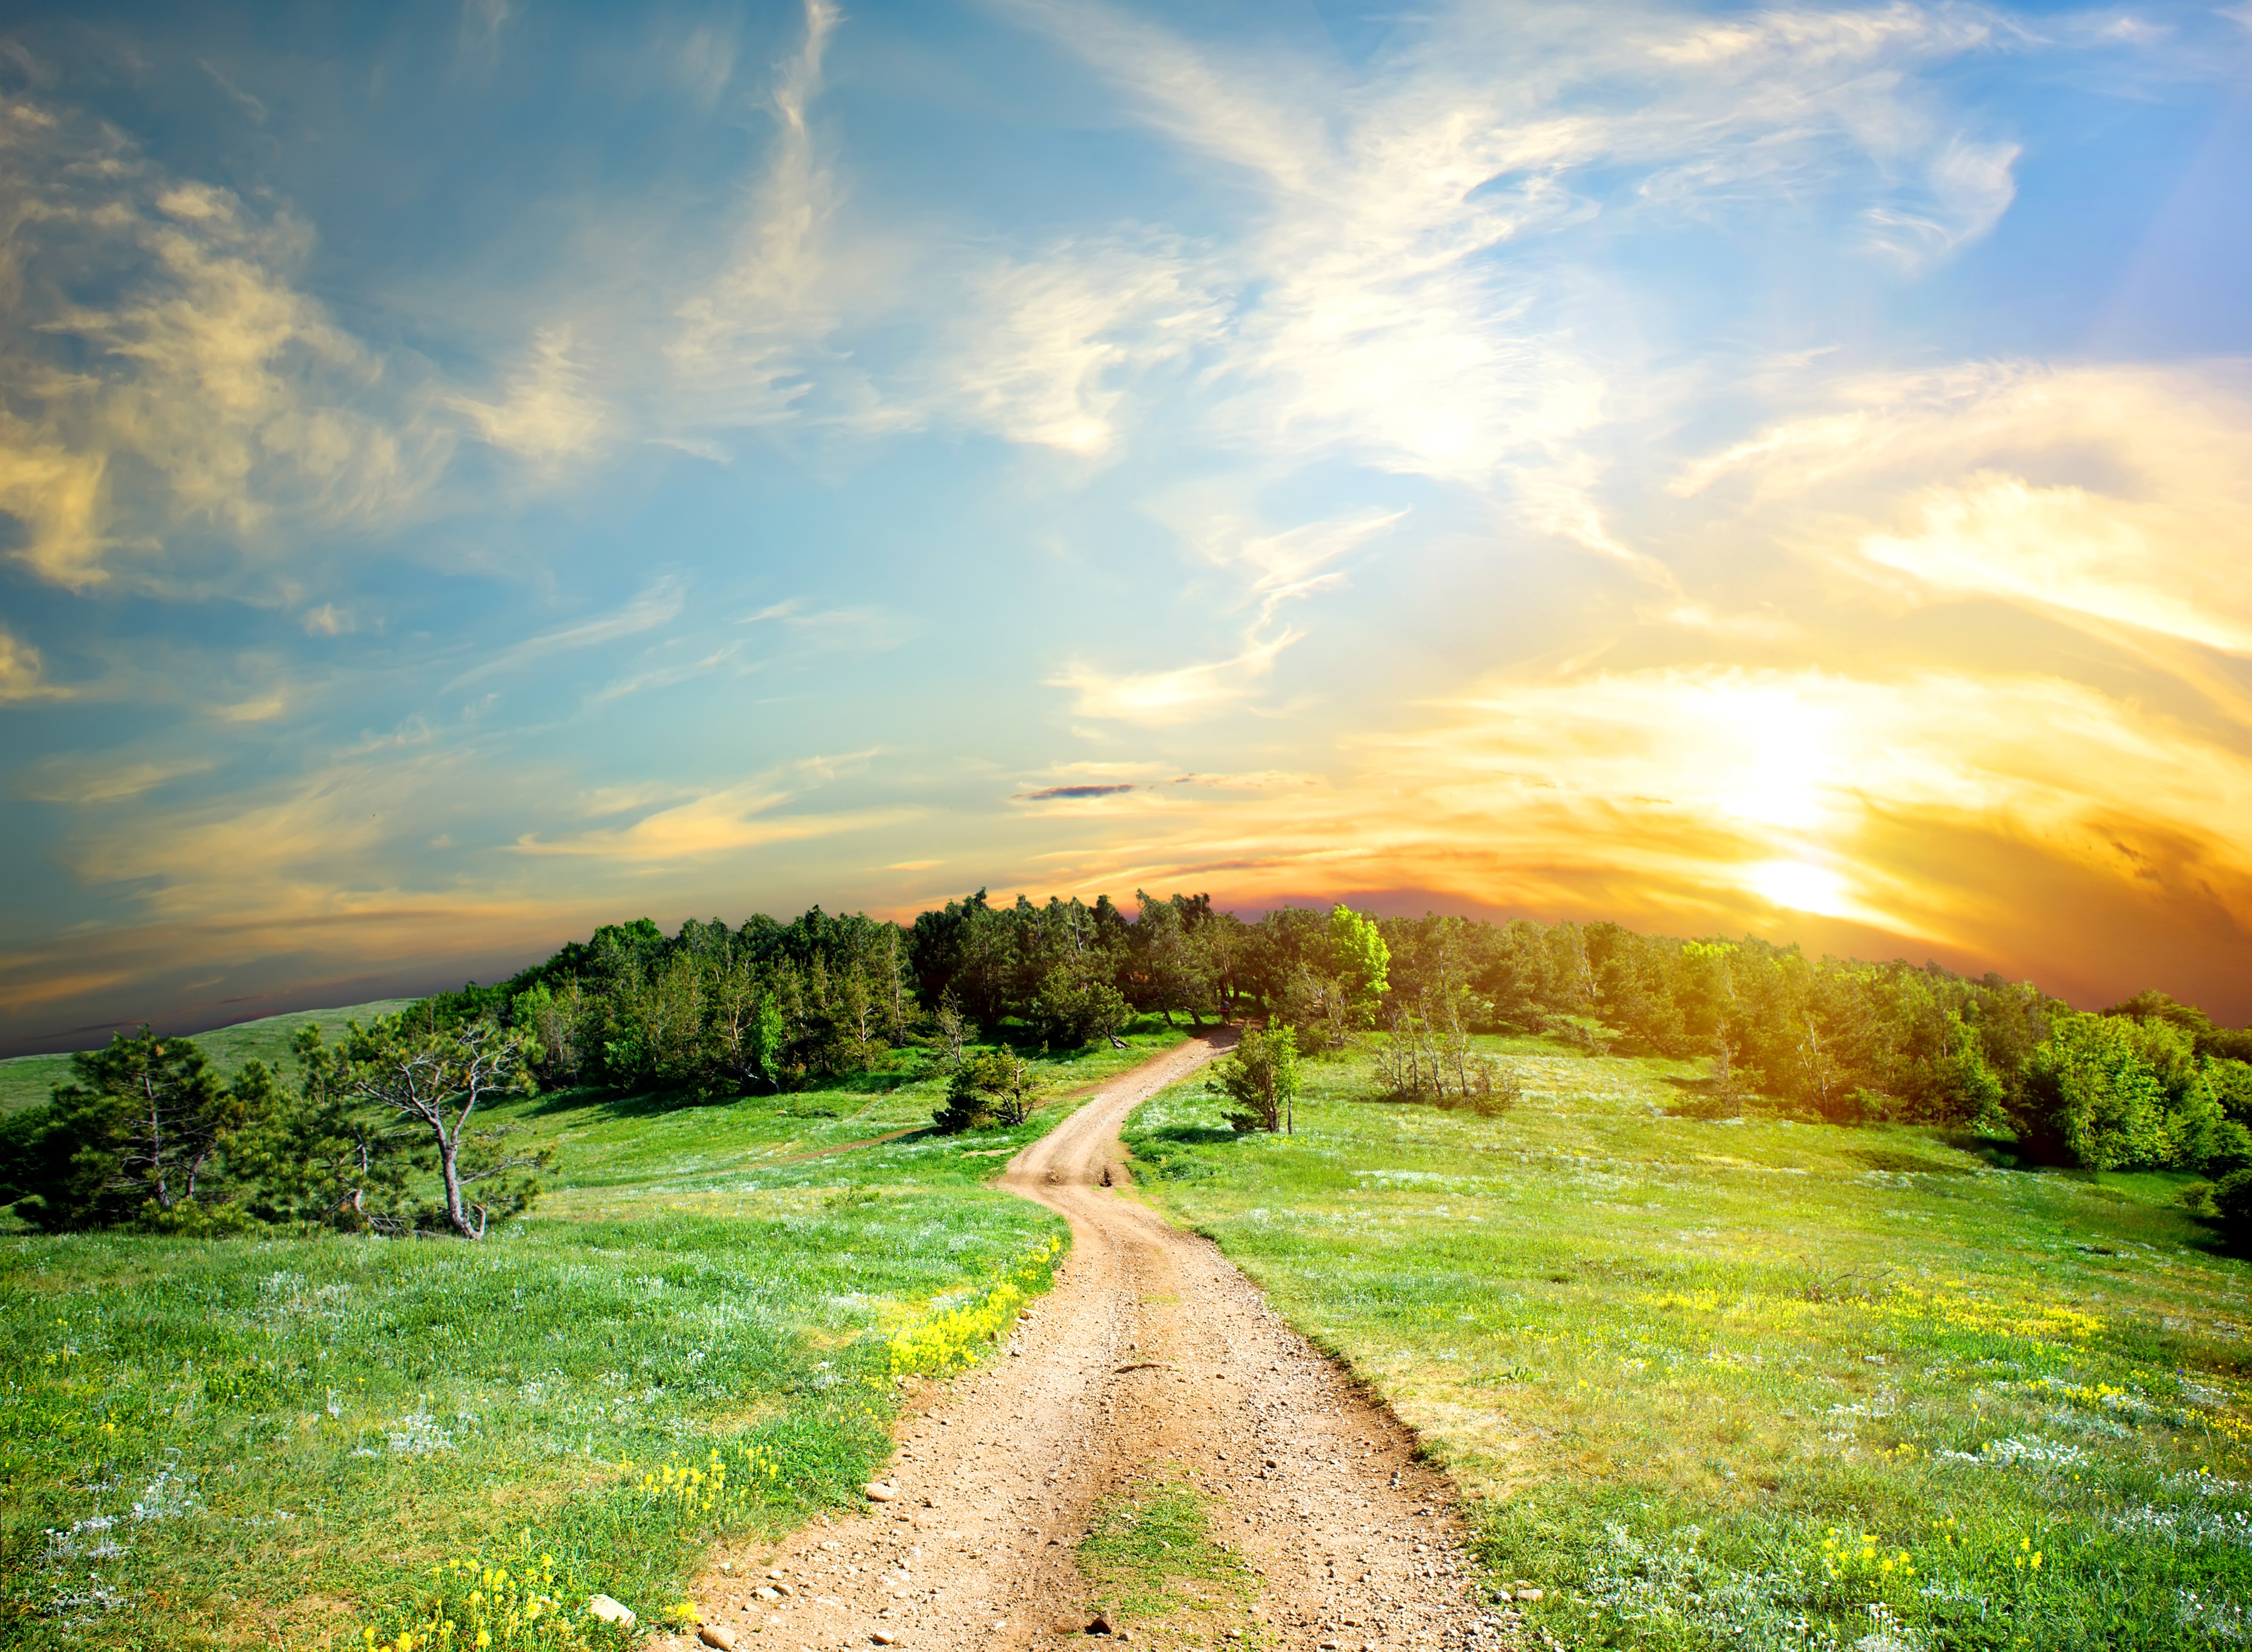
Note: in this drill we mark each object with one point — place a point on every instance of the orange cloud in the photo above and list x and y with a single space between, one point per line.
1921 807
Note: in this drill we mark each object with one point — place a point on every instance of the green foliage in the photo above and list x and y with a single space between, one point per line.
142 1133
1076 1004
2092 1098
1260 1077
2231 1204
320 1155
995 1087
1361 960
427 1084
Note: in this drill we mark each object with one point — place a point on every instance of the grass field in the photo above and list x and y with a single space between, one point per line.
1763 1384
240 1442
25 1081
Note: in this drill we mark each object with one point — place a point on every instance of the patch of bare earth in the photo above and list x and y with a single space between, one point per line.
1152 1357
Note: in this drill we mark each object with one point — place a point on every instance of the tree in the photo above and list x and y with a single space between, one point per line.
323 1155
1359 955
438 1080
1075 1006
995 1087
145 1125
953 1029
1171 970
1261 1075
2090 1098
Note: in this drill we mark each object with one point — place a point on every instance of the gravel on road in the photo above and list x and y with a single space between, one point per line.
1153 1356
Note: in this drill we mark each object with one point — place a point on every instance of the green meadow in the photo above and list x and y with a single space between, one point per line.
1762 1382
25 1081
300 1440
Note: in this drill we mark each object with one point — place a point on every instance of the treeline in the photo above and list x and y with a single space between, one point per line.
361 1134
2148 1081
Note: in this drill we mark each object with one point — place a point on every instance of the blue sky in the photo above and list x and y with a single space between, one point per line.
472 473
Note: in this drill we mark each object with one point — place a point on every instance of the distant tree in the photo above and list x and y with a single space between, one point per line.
1260 1077
437 1081
1360 957
1171 971
954 1029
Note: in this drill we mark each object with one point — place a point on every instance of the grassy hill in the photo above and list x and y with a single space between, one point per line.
25 1081
1764 1383
290 1440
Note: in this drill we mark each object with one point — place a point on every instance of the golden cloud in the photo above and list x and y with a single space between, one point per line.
2111 497
1924 807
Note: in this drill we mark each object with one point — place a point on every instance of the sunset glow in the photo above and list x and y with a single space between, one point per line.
469 474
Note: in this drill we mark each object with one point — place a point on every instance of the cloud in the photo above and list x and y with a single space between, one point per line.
742 345
163 371
1041 350
1183 693
1402 291
1995 816
2110 496
482 23
86 782
659 604
24 673
678 672
1969 187
1050 793
723 822
1292 563
548 415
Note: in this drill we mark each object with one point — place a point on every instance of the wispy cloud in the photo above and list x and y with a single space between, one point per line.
23 673
659 604
1177 695
110 778
2113 496
1968 189
166 371
742 345
725 822
548 415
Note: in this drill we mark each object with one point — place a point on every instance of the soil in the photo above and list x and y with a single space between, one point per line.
1152 1357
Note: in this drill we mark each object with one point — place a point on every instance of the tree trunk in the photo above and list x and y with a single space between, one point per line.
457 1215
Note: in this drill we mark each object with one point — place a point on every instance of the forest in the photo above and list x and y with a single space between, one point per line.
381 1131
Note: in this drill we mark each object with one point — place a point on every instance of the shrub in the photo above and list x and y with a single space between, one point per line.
2232 1209
997 1087
1260 1077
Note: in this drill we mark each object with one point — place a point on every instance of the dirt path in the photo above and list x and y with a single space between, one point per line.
1152 1358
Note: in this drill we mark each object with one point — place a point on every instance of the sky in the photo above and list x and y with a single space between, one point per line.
470 473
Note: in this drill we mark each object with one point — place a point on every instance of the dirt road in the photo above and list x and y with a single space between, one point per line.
1152 1359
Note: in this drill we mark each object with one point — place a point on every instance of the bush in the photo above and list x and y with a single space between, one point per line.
997 1087
1260 1077
2232 1209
